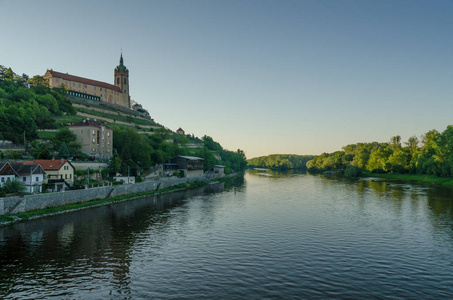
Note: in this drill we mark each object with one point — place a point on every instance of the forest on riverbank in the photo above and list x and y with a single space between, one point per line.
281 161
432 154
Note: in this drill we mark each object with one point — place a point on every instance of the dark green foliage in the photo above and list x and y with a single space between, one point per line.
352 171
24 110
133 150
281 161
209 158
211 144
12 187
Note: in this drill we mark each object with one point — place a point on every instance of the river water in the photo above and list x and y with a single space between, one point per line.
270 236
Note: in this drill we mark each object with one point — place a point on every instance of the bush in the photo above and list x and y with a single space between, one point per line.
352 171
11 187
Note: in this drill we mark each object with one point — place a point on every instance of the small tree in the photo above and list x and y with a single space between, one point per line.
12 187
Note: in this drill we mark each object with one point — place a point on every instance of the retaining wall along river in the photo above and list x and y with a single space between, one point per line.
20 204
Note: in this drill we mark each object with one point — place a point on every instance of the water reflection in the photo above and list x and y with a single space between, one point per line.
98 241
263 172
287 235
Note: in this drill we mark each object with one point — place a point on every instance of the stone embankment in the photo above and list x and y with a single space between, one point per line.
21 204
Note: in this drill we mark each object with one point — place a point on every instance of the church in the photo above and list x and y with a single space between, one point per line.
90 89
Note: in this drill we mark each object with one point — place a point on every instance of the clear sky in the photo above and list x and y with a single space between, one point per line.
280 76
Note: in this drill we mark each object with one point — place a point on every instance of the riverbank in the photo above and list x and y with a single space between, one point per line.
428 179
67 208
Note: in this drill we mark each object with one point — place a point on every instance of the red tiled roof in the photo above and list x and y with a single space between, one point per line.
91 123
47 164
69 77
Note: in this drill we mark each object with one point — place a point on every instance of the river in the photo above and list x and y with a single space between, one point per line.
269 236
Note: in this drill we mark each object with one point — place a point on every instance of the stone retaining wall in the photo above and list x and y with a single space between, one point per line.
20 204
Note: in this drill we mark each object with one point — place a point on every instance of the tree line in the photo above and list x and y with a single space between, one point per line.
281 161
432 154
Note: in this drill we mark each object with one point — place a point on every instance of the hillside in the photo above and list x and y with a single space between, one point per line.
33 113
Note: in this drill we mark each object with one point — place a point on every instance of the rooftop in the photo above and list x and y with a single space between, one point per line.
70 77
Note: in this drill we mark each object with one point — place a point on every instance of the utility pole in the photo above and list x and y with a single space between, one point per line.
128 169
31 177
88 178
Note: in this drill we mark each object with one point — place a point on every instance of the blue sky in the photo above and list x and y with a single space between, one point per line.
301 77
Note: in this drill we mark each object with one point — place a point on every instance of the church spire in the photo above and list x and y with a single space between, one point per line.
121 66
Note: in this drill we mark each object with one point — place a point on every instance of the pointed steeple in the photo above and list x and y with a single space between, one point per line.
121 66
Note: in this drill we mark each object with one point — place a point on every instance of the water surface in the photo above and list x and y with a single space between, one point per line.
279 236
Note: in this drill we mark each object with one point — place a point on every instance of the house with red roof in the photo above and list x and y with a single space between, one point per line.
180 131
59 172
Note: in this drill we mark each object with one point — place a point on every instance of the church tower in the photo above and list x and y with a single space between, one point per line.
122 81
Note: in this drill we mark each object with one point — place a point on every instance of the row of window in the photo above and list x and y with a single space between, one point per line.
94 150
94 141
94 87
3 179
72 93
24 179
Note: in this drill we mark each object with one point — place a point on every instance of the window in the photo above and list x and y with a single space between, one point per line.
117 80
56 80
93 132
70 176
93 141
3 179
73 84
124 80
37 179
79 85
24 179
85 86
94 88
65 176
66 82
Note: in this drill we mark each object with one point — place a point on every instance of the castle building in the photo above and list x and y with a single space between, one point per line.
90 89
95 137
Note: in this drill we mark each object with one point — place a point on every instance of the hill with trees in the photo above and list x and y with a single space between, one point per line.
281 161
30 108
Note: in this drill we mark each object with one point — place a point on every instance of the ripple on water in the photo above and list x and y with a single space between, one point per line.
299 237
